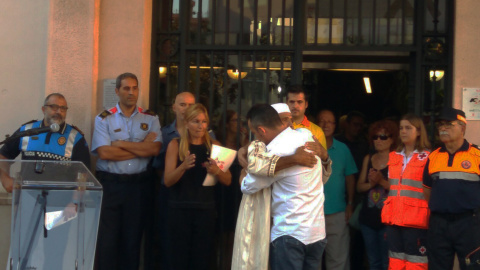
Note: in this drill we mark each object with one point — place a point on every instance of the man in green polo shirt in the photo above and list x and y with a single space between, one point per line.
338 209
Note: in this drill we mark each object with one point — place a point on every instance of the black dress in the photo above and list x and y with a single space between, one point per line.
191 215
371 211
189 192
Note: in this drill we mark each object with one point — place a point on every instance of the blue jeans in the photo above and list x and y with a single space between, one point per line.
376 246
287 253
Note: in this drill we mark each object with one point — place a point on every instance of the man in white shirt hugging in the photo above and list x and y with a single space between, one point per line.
298 230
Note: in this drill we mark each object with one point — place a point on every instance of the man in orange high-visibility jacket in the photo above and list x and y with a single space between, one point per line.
452 186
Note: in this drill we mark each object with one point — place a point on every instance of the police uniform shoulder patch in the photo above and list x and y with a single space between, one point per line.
149 112
104 114
79 131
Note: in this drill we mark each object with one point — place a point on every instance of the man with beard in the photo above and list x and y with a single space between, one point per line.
66 144
297 101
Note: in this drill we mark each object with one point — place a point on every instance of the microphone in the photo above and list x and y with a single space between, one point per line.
35 131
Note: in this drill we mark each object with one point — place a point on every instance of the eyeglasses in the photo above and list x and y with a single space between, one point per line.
445 124
55 107
382 137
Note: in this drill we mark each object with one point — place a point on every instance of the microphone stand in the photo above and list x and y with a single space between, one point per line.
29 132
7 139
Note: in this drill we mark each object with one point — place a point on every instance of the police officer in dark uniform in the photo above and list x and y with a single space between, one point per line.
451 183
68 144
125 138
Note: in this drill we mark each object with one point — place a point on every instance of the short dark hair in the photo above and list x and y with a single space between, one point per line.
121 77
298 89
52 95
353 114
264 115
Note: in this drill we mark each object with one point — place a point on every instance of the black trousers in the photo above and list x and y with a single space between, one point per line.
454 233
191 234
122 220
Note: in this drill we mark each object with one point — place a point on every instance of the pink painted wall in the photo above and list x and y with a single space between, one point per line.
69 46
23 54
467 57
124 43
70 58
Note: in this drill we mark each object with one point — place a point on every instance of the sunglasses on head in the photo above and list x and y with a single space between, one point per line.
381 137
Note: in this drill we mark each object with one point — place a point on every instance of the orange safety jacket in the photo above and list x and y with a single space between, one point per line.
457 178
406 205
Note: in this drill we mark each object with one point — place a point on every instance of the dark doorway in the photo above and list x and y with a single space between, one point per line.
344 91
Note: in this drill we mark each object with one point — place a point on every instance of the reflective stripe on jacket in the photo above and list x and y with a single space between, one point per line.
454 180
49 145
406 205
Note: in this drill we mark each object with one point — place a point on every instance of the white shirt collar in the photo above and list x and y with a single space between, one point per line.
403 153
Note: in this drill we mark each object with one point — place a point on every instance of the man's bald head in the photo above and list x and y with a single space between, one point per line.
182 102
183 96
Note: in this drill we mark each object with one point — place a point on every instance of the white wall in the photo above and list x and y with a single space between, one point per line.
70 58
23 54
67 46
124 44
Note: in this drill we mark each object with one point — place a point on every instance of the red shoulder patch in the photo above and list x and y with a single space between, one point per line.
113 110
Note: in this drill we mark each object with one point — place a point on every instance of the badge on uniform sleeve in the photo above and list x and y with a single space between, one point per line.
144 126
466 164
62 140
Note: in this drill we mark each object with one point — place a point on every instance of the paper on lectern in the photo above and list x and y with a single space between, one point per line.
56 218
224 158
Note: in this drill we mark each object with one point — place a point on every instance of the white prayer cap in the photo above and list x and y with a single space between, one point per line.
281 107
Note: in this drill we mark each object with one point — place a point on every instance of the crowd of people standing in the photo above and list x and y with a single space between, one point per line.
385 195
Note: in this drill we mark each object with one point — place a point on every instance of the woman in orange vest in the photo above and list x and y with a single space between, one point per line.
406 210
373 181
